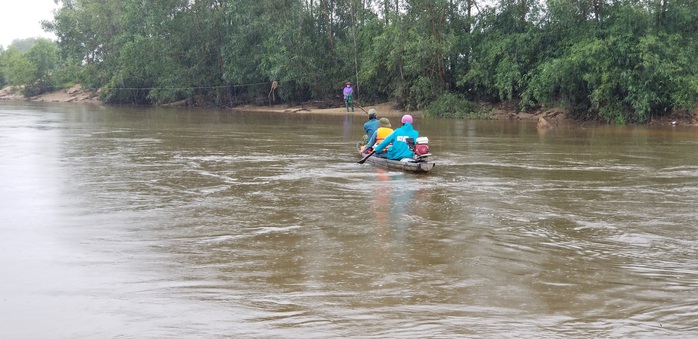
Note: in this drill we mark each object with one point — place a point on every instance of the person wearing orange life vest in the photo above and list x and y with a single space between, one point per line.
384 130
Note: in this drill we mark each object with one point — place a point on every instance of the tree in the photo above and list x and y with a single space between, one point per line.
44 60
626 71
88 32
620 61
506 47
3 81
16 68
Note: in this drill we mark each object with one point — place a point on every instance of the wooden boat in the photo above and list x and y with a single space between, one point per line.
413 166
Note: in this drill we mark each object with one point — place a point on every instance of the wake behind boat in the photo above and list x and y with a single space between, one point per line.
422 163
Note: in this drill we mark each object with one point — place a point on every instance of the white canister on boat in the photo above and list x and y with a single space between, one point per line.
422 140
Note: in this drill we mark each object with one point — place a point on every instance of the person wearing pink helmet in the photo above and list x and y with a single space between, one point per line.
400 149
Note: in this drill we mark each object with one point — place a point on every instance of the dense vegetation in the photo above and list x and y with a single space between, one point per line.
619 61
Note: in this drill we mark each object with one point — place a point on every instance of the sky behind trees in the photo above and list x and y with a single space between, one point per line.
22 19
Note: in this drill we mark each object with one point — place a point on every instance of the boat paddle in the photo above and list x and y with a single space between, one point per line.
366 157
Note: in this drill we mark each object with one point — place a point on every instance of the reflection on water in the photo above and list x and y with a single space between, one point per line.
394 202
159 223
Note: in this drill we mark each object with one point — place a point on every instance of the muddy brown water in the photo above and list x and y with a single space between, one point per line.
161 223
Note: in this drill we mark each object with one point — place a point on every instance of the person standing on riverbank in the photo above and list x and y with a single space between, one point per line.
349 96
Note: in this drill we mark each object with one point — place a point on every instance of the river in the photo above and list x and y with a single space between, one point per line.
127 222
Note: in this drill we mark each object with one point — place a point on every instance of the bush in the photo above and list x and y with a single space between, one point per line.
452 105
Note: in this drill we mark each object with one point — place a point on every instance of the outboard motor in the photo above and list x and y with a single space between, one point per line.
420 147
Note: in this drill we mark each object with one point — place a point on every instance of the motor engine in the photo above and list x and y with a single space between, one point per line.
420 147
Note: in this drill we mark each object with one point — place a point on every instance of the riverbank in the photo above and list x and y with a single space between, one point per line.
383 109
545 118
75 94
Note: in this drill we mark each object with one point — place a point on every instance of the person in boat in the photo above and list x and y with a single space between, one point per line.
371 126
349 96
400 149
383 131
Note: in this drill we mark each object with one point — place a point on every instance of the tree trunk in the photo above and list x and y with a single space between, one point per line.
328 23
438 16
598 8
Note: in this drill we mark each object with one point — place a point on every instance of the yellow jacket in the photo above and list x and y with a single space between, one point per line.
382 133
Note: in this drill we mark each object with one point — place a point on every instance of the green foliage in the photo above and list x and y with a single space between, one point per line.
34 70
16 67
619 62
3 81
504 51
625 75
380 64
44 58
450 105
140 62
24 45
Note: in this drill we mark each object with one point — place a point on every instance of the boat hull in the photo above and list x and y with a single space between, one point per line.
407 166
